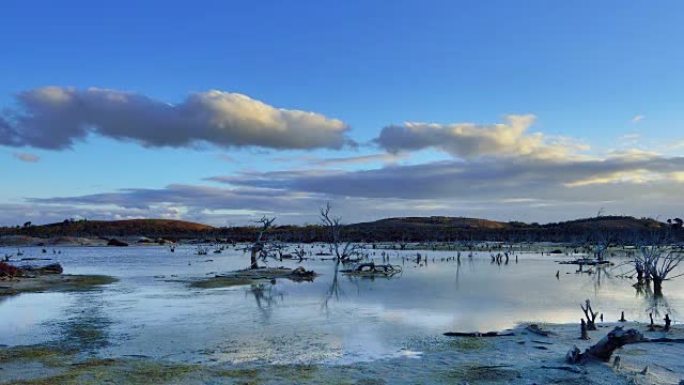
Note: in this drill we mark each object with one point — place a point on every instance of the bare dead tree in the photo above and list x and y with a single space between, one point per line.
342 251
261 247
656 263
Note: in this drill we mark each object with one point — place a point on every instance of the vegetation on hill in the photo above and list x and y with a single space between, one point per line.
404 229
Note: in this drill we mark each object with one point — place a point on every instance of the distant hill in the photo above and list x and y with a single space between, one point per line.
457 222
152 228
457 228
400 229
611 223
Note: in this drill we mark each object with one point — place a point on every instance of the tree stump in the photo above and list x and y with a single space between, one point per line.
583 330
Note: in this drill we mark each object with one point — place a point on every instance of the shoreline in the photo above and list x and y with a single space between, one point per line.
53 283
521 358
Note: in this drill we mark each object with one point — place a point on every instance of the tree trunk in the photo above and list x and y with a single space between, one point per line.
657 286
253 259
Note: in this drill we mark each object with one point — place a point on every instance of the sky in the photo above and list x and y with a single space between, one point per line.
223 111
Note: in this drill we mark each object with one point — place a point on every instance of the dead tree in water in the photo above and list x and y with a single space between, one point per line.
342 251
590 315
260 247
656 262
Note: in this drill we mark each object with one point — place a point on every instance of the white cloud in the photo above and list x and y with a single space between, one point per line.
55 117
469 140
381 158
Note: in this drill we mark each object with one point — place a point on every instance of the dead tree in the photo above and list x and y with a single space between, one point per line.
590 315
342 251
657 262
260 247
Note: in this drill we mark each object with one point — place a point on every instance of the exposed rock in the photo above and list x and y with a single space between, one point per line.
116 242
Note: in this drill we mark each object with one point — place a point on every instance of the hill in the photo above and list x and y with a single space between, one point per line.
400 229
413 229
152 228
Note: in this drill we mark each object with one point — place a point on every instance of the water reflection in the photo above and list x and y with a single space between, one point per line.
266 296
85 324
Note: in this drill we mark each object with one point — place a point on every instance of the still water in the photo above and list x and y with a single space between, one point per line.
151 311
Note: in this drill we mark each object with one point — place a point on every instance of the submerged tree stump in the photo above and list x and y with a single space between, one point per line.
584 335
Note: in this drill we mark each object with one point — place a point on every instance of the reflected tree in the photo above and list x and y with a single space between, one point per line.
266 297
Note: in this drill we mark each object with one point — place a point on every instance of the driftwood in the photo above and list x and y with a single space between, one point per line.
583 262
478 334
371 269
604 349
614 340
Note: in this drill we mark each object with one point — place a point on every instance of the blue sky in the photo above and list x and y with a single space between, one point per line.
606 75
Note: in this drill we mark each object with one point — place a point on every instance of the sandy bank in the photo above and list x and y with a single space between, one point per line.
53 282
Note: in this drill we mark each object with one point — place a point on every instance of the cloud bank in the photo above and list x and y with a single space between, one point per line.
56 117
522 189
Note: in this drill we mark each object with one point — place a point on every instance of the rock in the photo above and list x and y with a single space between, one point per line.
117 243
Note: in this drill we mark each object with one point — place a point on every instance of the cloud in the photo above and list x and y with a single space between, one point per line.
384 158
469 140
638 118
26 157
478 179
56 117
361 159
531 189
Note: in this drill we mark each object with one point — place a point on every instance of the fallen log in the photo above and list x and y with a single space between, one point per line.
584 262
371 269
604 349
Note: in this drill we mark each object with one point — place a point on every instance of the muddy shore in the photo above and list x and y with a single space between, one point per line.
52 282
522 358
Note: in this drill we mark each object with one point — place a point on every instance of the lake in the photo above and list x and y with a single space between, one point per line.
151 311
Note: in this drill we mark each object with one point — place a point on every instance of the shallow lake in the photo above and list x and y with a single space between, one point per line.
152 311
